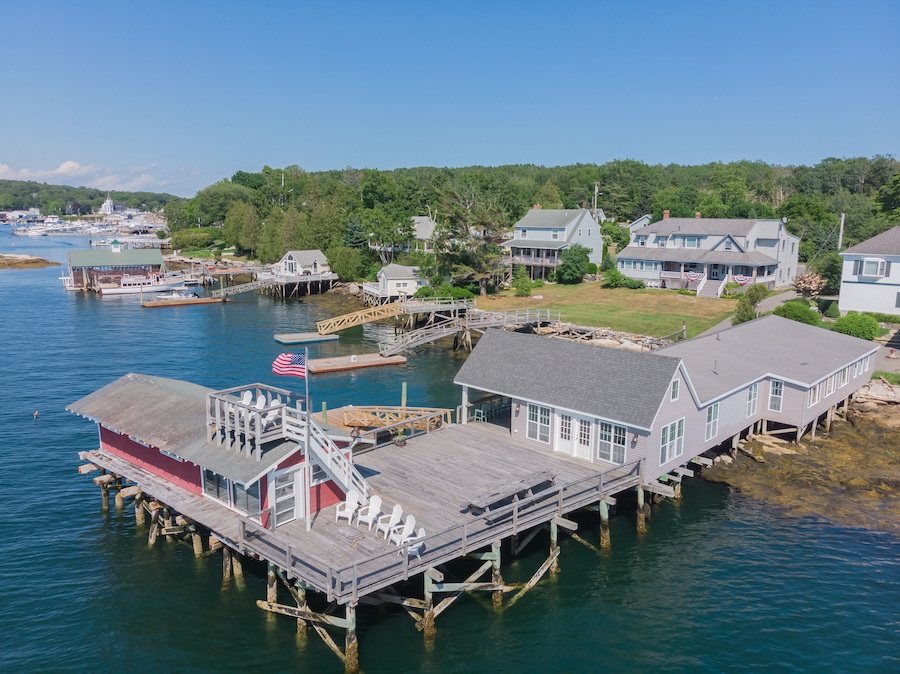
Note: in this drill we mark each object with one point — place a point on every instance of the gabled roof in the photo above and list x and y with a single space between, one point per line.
121 258
728 360
554 218
531 243
700 226
886 243
305 258
753 257
423 227
613 384
396 272
165 413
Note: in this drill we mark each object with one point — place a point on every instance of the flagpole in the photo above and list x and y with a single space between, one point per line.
308 472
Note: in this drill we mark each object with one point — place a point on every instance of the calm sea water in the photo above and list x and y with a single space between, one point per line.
720 582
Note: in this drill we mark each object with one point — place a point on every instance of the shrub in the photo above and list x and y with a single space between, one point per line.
574 264
189 239
616 279
809 284
686 291
424 292
522 286
798 312
882 318
607 262
828 308
857 325
538 283
592 268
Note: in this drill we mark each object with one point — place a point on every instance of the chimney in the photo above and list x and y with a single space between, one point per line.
537 207
666 214
697 214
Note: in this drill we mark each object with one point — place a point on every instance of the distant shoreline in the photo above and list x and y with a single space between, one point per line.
11 261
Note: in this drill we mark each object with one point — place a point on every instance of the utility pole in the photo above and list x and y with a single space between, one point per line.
841 234
594 202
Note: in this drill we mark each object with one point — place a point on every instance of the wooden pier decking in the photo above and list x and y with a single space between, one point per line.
303 337
433 478
355 362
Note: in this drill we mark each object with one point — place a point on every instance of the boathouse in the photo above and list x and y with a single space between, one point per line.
302 263
560 427
92 269
394 281
664 407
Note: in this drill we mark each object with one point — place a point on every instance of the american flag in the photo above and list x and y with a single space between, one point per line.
290 365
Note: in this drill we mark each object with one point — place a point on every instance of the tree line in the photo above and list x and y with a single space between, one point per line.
264 214
61 200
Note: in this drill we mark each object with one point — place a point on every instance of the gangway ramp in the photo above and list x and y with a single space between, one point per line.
345 321
243 288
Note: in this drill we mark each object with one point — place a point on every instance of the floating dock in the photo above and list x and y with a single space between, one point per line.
303 337
339 363
182 301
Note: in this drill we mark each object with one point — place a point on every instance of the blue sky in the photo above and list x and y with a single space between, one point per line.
173 96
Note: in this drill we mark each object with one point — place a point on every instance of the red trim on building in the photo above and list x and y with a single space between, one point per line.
182 473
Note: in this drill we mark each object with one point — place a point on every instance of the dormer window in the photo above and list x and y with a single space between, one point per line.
554 234
661 241
523 233
728 244
691 242
641 241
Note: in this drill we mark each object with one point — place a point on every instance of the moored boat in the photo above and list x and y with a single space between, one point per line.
179 298
133 285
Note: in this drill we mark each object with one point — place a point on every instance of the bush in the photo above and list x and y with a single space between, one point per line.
189 239
857 325
796 311
686 291
522 286
537 283
882 318
607 262
616 279
424 292
828 308
591 268
574 264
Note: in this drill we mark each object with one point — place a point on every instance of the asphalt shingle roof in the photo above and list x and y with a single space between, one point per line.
552 218
734 357
399 271
886 243
752 258
122 258
612 384
306 257
700 226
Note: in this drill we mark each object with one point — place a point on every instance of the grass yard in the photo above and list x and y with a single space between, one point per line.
646 312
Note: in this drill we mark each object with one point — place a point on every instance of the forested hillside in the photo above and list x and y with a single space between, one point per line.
64 200
290 208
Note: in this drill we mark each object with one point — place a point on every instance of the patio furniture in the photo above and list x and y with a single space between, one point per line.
388 522
369 514
347 509
403 531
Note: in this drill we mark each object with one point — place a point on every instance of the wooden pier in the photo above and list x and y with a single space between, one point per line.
303 337
354 362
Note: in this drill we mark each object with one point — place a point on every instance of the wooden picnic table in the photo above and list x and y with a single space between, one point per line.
522 486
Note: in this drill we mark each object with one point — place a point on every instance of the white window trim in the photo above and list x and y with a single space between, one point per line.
773 397
712 421
674 395
614 429
537 422
845 376
752 399
673 446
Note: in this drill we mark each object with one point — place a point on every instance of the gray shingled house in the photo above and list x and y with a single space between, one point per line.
612 406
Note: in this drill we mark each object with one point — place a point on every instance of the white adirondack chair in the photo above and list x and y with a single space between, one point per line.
247 397
416 544
369 514
403 531
261 401
388 522
347 509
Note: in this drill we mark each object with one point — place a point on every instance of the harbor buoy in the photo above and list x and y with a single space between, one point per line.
353 359
35 414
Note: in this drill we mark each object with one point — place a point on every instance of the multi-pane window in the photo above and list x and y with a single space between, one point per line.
611 443
641 240
752 399
671 441
845 376
675 390
215 485
661 241
691 242
565 427
554 234
829 385
246 499
776 394
584 433
712 421
538 423
727 245
814 394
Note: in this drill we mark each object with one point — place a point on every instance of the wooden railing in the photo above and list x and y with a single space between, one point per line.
359 317
367 575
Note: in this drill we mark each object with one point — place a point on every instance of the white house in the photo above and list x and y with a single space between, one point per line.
303 263
394 281
540 236
869 282
704 254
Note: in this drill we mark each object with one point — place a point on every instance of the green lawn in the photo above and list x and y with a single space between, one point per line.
647 312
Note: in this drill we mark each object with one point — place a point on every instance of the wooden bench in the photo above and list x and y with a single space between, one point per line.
524 486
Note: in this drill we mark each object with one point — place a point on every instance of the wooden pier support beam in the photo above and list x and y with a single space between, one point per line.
120 499
351 645
428 627
496 578
103 482
554 547
271 585
829 417
605 543
226 565
197 542
299 594
237 567
139 510
641 515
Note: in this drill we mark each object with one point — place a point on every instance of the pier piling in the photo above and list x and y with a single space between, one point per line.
605 543
351 646
641 515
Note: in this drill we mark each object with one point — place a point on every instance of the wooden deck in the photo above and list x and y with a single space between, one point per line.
303 337
433 478
340 363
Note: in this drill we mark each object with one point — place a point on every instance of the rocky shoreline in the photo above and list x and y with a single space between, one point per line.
11 261
850 476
